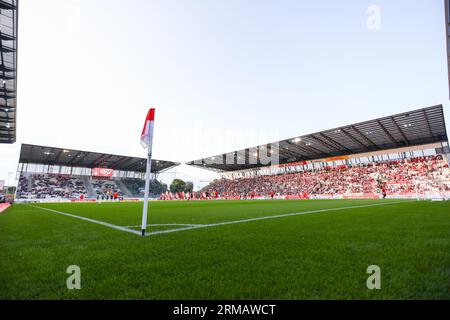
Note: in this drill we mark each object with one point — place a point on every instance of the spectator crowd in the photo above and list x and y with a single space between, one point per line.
43 186
104 188
396 177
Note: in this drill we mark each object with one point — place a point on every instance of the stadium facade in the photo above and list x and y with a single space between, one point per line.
8 70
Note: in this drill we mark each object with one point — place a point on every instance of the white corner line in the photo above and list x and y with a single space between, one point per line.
272 217
109 225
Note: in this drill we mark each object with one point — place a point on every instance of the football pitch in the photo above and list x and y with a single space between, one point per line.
306 249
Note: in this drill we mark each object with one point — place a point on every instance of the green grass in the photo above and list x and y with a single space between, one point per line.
314 256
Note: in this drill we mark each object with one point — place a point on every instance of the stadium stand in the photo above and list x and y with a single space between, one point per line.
405 177
48 186
103 187
136 186
403 155
419 128
47 173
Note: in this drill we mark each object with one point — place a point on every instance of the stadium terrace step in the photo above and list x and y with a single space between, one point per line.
89 187
30 182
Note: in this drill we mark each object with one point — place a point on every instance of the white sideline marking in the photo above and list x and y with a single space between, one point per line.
109 225
270 217
168 225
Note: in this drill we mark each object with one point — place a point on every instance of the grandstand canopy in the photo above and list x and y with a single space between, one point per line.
413 128
8 70
85 159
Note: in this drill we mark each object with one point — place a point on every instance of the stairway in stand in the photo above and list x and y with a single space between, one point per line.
89 187
124 188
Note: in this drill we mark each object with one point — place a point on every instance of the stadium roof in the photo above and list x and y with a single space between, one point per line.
411 128
85 159
8 70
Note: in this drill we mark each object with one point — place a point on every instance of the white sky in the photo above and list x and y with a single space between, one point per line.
222 75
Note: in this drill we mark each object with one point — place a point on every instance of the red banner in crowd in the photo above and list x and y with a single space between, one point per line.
102 172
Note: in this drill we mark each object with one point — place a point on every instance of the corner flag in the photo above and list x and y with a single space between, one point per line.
147 142
147 131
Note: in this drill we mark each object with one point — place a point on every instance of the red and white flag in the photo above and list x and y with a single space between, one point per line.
147 131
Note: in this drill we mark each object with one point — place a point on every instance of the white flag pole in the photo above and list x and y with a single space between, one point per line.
147 175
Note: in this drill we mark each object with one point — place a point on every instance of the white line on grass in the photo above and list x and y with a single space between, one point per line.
109 225
270 217
167 225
